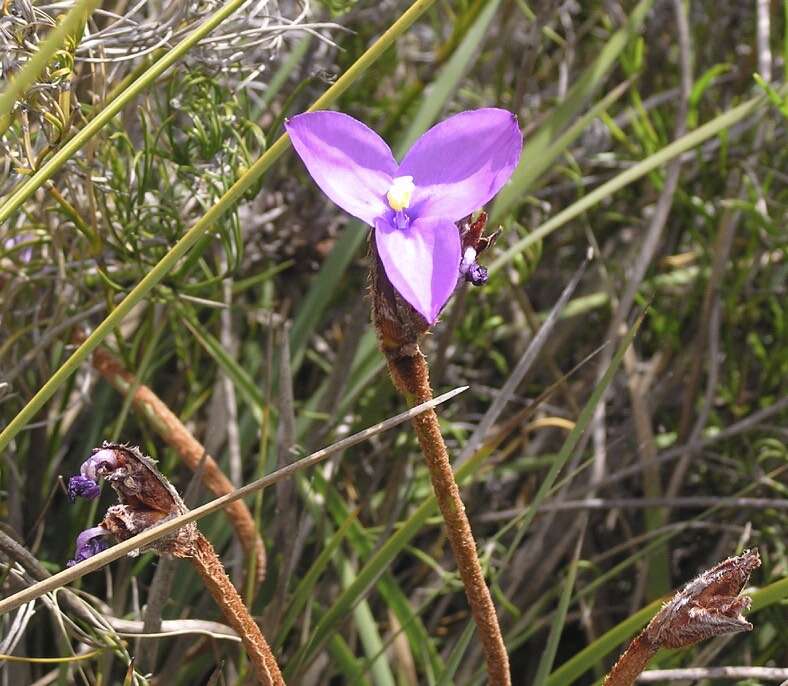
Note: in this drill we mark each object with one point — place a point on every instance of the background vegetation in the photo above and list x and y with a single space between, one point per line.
655 139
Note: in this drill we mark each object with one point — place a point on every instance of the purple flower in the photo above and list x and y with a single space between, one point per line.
452 170
83 487
89 543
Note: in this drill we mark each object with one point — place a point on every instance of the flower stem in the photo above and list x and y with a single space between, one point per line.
633 661
188 448
210 568
410 375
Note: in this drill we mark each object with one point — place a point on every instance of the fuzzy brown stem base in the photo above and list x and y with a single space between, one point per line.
210 568
190 450
634 660
410 374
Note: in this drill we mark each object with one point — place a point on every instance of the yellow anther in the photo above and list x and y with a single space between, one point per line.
399 194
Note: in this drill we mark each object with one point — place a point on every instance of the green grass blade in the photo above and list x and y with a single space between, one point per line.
635 172
237 374
591 655
457 653
342 656
203 225
586 414
548 656
537 166
423 648
589 81
438 93
283 73
303 591
323 289
368 633
376 566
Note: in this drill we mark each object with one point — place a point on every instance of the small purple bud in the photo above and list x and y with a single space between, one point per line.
83 487
89 543
476 274
472 270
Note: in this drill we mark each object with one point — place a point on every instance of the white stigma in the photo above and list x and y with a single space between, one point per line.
468 258
402 188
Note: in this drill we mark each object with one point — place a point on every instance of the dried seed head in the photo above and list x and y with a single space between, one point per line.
709 605
135 479
146 498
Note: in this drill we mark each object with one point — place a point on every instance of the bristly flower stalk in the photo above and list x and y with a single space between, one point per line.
424 241
708 606
146 498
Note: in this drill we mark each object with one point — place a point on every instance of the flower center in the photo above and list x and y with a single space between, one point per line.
398 195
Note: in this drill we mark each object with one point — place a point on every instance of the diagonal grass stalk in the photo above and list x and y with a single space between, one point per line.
79 570
203 225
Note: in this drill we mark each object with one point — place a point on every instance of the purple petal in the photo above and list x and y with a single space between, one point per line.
89 543
459 164
83 487
422 261
100 462
352 164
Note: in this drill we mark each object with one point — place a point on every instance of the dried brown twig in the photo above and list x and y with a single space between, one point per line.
709 605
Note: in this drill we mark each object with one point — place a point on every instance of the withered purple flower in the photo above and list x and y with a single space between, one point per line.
85 484
452 170
89 543
146 498
82 487
100 463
